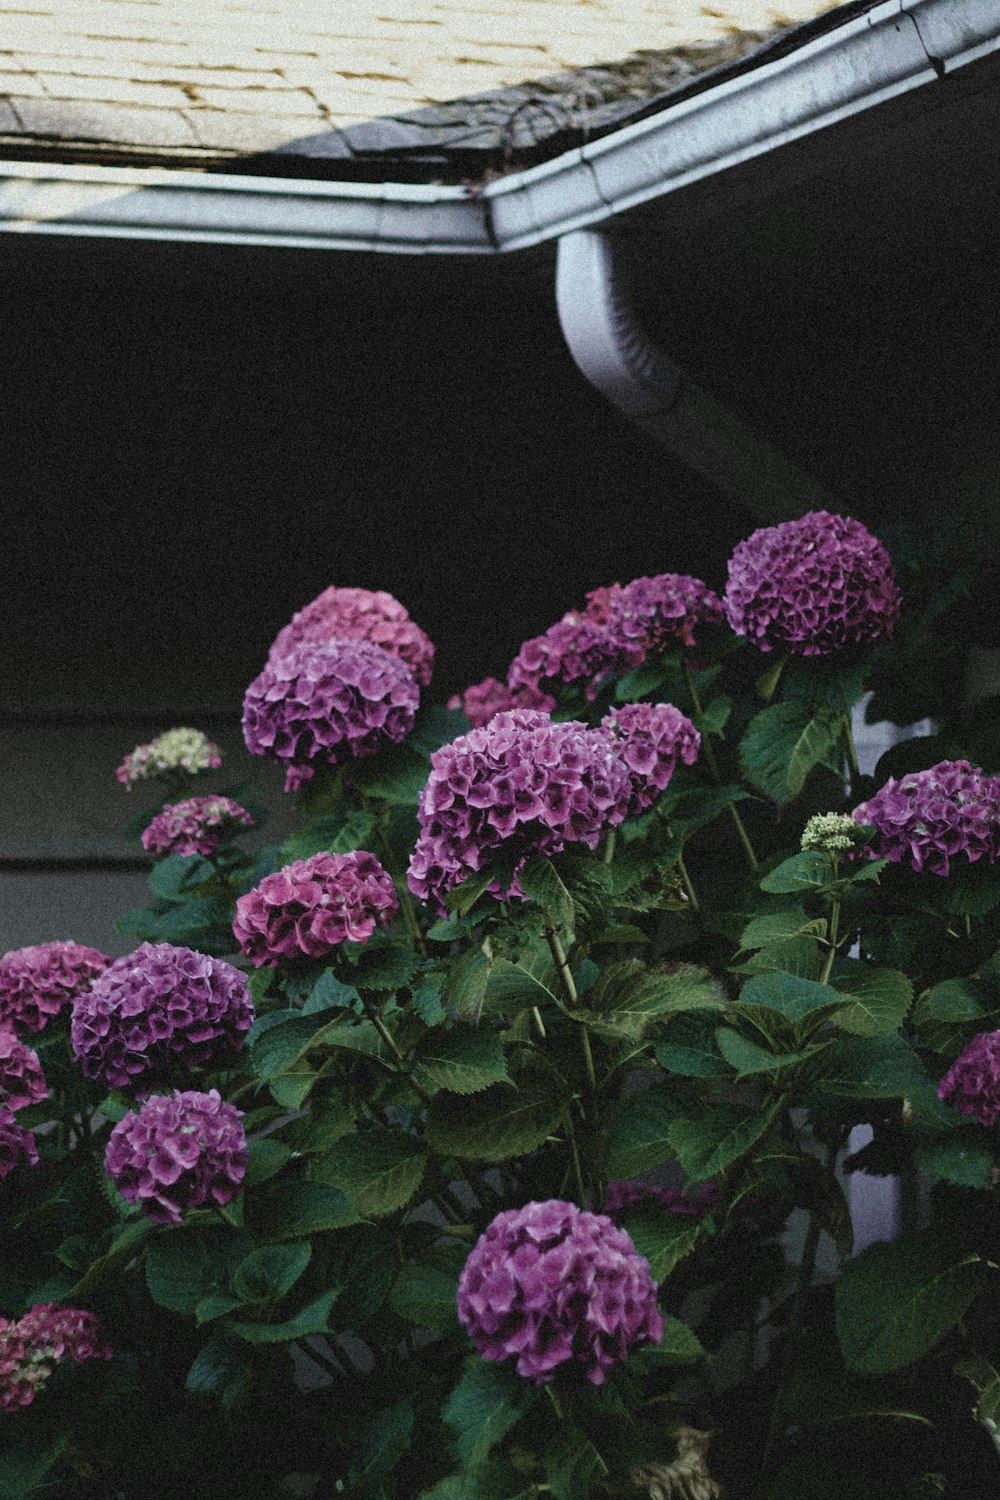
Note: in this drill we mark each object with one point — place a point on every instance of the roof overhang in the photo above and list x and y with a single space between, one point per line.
882 54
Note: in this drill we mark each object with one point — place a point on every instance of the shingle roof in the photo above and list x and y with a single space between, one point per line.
335 87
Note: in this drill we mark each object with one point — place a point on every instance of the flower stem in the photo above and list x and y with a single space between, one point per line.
609 845
559 956
393 1046
832 939
853 769
402 890
713 766
688 886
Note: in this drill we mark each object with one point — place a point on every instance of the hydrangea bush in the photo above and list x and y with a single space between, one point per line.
494 1136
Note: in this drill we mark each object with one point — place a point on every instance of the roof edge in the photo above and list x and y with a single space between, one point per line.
896 47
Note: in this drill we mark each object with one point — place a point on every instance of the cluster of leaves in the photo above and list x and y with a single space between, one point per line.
698 1001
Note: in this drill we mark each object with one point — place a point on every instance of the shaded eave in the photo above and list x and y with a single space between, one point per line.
880 54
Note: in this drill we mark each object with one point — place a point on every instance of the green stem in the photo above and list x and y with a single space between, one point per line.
609 845
225 1216
853 769
392 1044
834 933
402 890
536 1016
559 957
713 766
686 882
581 1192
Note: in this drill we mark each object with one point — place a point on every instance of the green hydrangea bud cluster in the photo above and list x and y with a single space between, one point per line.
832 833
185 750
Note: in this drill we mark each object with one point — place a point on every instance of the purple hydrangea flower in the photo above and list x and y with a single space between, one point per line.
972 1083
575 650
484 700
179 750
17 1144
927 817
22 1081
198 825
815 585
31 1348
326 703
521 780
676 1200
601 603
648 613
347 614
313 905
182 1150
38 983
157 1005
552 1285
650 738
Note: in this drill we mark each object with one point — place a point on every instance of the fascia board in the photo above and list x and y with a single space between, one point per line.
956 34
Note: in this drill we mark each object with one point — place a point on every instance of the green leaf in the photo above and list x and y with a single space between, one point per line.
328 993
571 1462
210 1308
690 1049
172 877
188 1265
530 981
465 1060
397 775
808 871
462 898
205 920
291 1090
715 716
24 1467
312 1319
986 1381
465 984
631 996
497 1123
379 1169
779 925
388 967
964 1160
884 1067
790 996
747 1058
382 1444
957 1000
286 1040
268 1273
334 833
896 1301
639 1133
292 1210
541 883
680 1344
784 743
425 1290
798 956
427 999
663 1238
715 1139
487 1402
881 998
215 1367
265 1158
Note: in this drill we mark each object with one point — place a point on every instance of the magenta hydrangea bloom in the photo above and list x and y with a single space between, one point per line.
815 586
17 1144
651 612
651 738
308 908
22 1081
31 1348
601 603
926 818
552 1285
38 983
972 1083
326 703
484 700
522 780
575 650
181 1150
347 614
198 825
697 1202
179 750
159 1005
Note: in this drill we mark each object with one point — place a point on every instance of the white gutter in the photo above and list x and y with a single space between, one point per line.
885 52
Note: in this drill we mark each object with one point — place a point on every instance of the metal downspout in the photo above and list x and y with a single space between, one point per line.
618 357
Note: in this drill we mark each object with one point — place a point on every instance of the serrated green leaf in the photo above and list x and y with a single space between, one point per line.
465 1060
883 1067
963 1160
957 1000
292 1210
427 999
798 956
778 926
266 1274
381 1445
379 1169
425 1290
747 1058
215 1367
571 1462
639 1133
311 1319
896 1300
790 996
173 878
465 985
496 1124
808 871
487 1402
397 774
291 1090
185 1267
336 833
265 1158
388 967
690 1049
680 1344
785 742
462 898
630 996
714 716
880 999
663 1238
716 1138
541 882
210 1308
531 981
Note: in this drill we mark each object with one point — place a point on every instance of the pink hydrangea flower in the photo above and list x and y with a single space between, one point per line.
575 650
484 700
179 750
926 818
31 1348
551 1285
601 603
159 1005
22 1081
17 1144
38 983
816 585
182 1150
521 781
650 612
676 1200
359 615
972 1083
650 738
326 703
198 825
313 905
